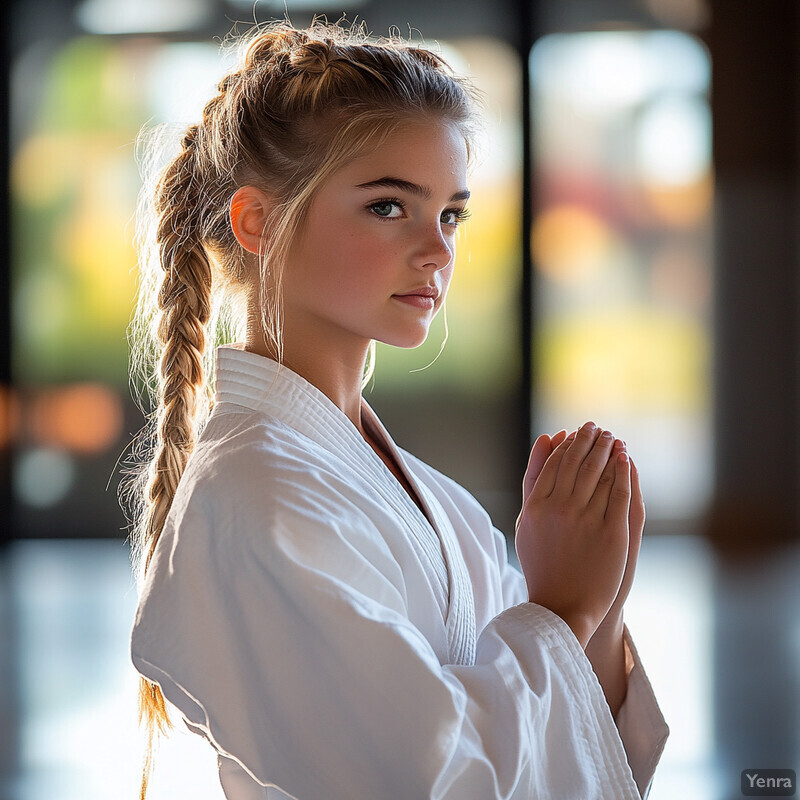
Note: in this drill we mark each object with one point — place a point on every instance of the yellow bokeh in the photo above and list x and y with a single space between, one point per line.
486 252
633 358
43 169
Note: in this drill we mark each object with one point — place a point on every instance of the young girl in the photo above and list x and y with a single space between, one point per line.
335 617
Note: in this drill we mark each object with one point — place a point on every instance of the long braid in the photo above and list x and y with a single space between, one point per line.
184 305
184 302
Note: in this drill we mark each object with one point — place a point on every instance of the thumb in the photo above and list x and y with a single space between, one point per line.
542 448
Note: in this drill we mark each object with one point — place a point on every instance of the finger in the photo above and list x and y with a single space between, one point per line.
540 451
634 538
547 477
602 493
636 515
592 468
574 456
619 501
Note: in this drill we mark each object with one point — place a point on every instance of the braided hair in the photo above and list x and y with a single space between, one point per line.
300 104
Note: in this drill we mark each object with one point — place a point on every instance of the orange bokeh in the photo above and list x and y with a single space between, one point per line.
685 206
571 243
9 415
84 418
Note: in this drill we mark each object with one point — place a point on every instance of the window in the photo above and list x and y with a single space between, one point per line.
621 244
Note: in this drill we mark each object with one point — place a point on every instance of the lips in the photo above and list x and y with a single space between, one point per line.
425 291
423 298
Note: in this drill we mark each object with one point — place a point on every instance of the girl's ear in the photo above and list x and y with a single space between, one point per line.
249 211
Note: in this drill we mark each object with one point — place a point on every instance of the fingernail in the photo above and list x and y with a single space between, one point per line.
607 435
571 436
590 426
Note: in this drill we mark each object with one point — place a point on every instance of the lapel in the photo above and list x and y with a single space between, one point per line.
460 613
261 384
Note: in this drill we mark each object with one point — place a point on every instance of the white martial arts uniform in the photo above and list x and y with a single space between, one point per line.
303 614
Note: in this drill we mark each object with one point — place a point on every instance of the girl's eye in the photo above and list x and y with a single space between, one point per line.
394 209
455 216
388 209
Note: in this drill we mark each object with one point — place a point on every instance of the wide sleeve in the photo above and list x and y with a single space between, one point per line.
281 634
641 725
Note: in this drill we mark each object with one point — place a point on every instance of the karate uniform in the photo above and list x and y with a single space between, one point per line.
306 617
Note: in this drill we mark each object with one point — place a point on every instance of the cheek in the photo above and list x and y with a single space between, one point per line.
447 275
329 255
360 259
349 276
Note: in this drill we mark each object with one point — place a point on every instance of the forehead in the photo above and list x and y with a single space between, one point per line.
429 153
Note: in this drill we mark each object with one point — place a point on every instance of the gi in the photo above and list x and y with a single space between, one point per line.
334 642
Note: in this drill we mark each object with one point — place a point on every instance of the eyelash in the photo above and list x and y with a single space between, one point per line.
460 214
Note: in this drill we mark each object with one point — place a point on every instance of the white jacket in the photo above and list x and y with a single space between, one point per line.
303 614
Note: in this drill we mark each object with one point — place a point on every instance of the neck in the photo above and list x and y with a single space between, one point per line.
337 371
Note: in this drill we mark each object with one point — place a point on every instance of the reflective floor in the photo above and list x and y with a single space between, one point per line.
721 645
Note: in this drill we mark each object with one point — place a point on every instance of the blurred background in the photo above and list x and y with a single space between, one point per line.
632 258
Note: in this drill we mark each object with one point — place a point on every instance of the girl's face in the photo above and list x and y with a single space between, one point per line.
375 255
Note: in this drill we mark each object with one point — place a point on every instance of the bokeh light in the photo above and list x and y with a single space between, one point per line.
43 476
621 242
83 418
570 244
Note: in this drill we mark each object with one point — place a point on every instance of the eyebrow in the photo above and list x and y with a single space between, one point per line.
408 186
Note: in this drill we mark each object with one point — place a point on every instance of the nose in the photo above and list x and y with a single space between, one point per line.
436 249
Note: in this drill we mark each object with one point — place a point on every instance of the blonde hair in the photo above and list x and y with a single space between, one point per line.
300 105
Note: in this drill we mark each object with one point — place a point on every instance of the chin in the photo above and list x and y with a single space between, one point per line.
407 340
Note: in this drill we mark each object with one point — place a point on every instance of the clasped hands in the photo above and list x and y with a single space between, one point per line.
580 529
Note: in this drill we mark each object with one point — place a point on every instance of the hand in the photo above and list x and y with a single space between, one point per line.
540 452
572 535
605 650
612 624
